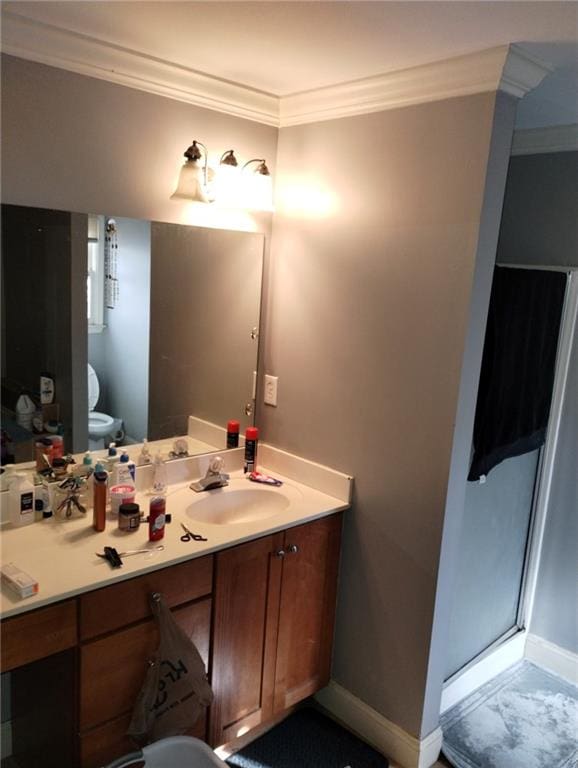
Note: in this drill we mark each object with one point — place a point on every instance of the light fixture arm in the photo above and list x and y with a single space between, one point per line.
262 169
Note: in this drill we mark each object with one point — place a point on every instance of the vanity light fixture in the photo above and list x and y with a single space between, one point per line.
250 187
194 176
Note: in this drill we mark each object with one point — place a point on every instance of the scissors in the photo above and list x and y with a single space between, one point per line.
188 535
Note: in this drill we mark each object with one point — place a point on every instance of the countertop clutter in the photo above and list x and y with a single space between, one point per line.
61 555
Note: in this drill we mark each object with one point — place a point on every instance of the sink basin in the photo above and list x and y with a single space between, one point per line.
237 505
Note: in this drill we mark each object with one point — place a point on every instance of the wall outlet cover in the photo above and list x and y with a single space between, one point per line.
270 396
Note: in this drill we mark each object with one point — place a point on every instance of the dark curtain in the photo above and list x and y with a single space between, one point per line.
517 366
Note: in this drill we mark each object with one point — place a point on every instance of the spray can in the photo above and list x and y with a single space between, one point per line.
157 517
233 434
251 438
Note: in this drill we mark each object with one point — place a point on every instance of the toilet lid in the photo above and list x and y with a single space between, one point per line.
93 388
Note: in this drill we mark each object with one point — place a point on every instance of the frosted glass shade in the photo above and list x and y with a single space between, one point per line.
257 192
191 183
226 186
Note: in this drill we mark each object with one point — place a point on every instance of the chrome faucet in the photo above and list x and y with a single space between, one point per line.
215 477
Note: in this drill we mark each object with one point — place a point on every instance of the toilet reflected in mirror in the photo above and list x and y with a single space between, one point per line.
102 428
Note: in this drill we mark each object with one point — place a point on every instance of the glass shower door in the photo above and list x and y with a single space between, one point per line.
494 538
512 414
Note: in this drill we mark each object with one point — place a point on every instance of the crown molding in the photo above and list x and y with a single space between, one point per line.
535 141
506 68
58 47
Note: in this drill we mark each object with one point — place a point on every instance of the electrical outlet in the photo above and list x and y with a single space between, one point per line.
270 397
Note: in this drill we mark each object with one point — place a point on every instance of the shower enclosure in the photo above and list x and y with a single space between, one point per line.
503 523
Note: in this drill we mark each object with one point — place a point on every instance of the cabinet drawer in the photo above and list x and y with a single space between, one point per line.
110 608
108 742
37 634
112 669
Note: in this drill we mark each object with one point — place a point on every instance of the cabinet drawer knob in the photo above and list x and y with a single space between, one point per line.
293 549
280 553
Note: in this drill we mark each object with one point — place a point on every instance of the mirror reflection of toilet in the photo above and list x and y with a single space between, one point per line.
100 425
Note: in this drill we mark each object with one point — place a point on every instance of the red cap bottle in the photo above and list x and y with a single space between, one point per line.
251 438
233 434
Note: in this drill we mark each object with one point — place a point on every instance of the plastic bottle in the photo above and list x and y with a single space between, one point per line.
21 500
44 454
57 446
124 470
144 456
99 501
46 388
159 475
25 410
251 439
233 434
112 457
46 497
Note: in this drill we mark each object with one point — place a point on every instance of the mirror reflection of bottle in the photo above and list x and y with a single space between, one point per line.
251 438
233 434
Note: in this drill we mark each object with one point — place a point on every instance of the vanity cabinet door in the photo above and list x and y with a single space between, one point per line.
246 599
273 625
307 610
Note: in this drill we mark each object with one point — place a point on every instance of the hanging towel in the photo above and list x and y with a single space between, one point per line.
517 365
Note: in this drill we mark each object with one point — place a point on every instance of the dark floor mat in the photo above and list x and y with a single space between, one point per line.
308 739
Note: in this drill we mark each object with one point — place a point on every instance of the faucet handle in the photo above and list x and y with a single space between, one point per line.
216 465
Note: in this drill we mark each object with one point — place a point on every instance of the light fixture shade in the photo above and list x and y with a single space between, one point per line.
191 183
257 194
226 185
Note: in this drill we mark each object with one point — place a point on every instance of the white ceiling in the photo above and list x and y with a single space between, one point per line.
287 47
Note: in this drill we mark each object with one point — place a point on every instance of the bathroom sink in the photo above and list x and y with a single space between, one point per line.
235 505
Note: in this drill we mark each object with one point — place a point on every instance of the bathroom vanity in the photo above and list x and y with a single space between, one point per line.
257 598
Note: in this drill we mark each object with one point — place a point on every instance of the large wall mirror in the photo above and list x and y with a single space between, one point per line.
145 327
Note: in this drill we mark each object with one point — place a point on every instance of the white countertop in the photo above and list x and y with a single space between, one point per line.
60 555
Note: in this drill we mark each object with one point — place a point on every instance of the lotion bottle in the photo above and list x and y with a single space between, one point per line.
21 500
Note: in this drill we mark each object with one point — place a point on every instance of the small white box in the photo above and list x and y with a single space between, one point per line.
18 581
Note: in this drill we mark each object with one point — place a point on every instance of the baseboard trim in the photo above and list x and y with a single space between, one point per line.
506 654
387 737
552 657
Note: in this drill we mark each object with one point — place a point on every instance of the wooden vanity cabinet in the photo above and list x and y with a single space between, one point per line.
261 614
118 637
274 613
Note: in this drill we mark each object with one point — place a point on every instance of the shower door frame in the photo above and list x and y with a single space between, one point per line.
510 647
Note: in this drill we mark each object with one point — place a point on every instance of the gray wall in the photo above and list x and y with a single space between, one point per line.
556 600
76 143
205 301
370 296
540 222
